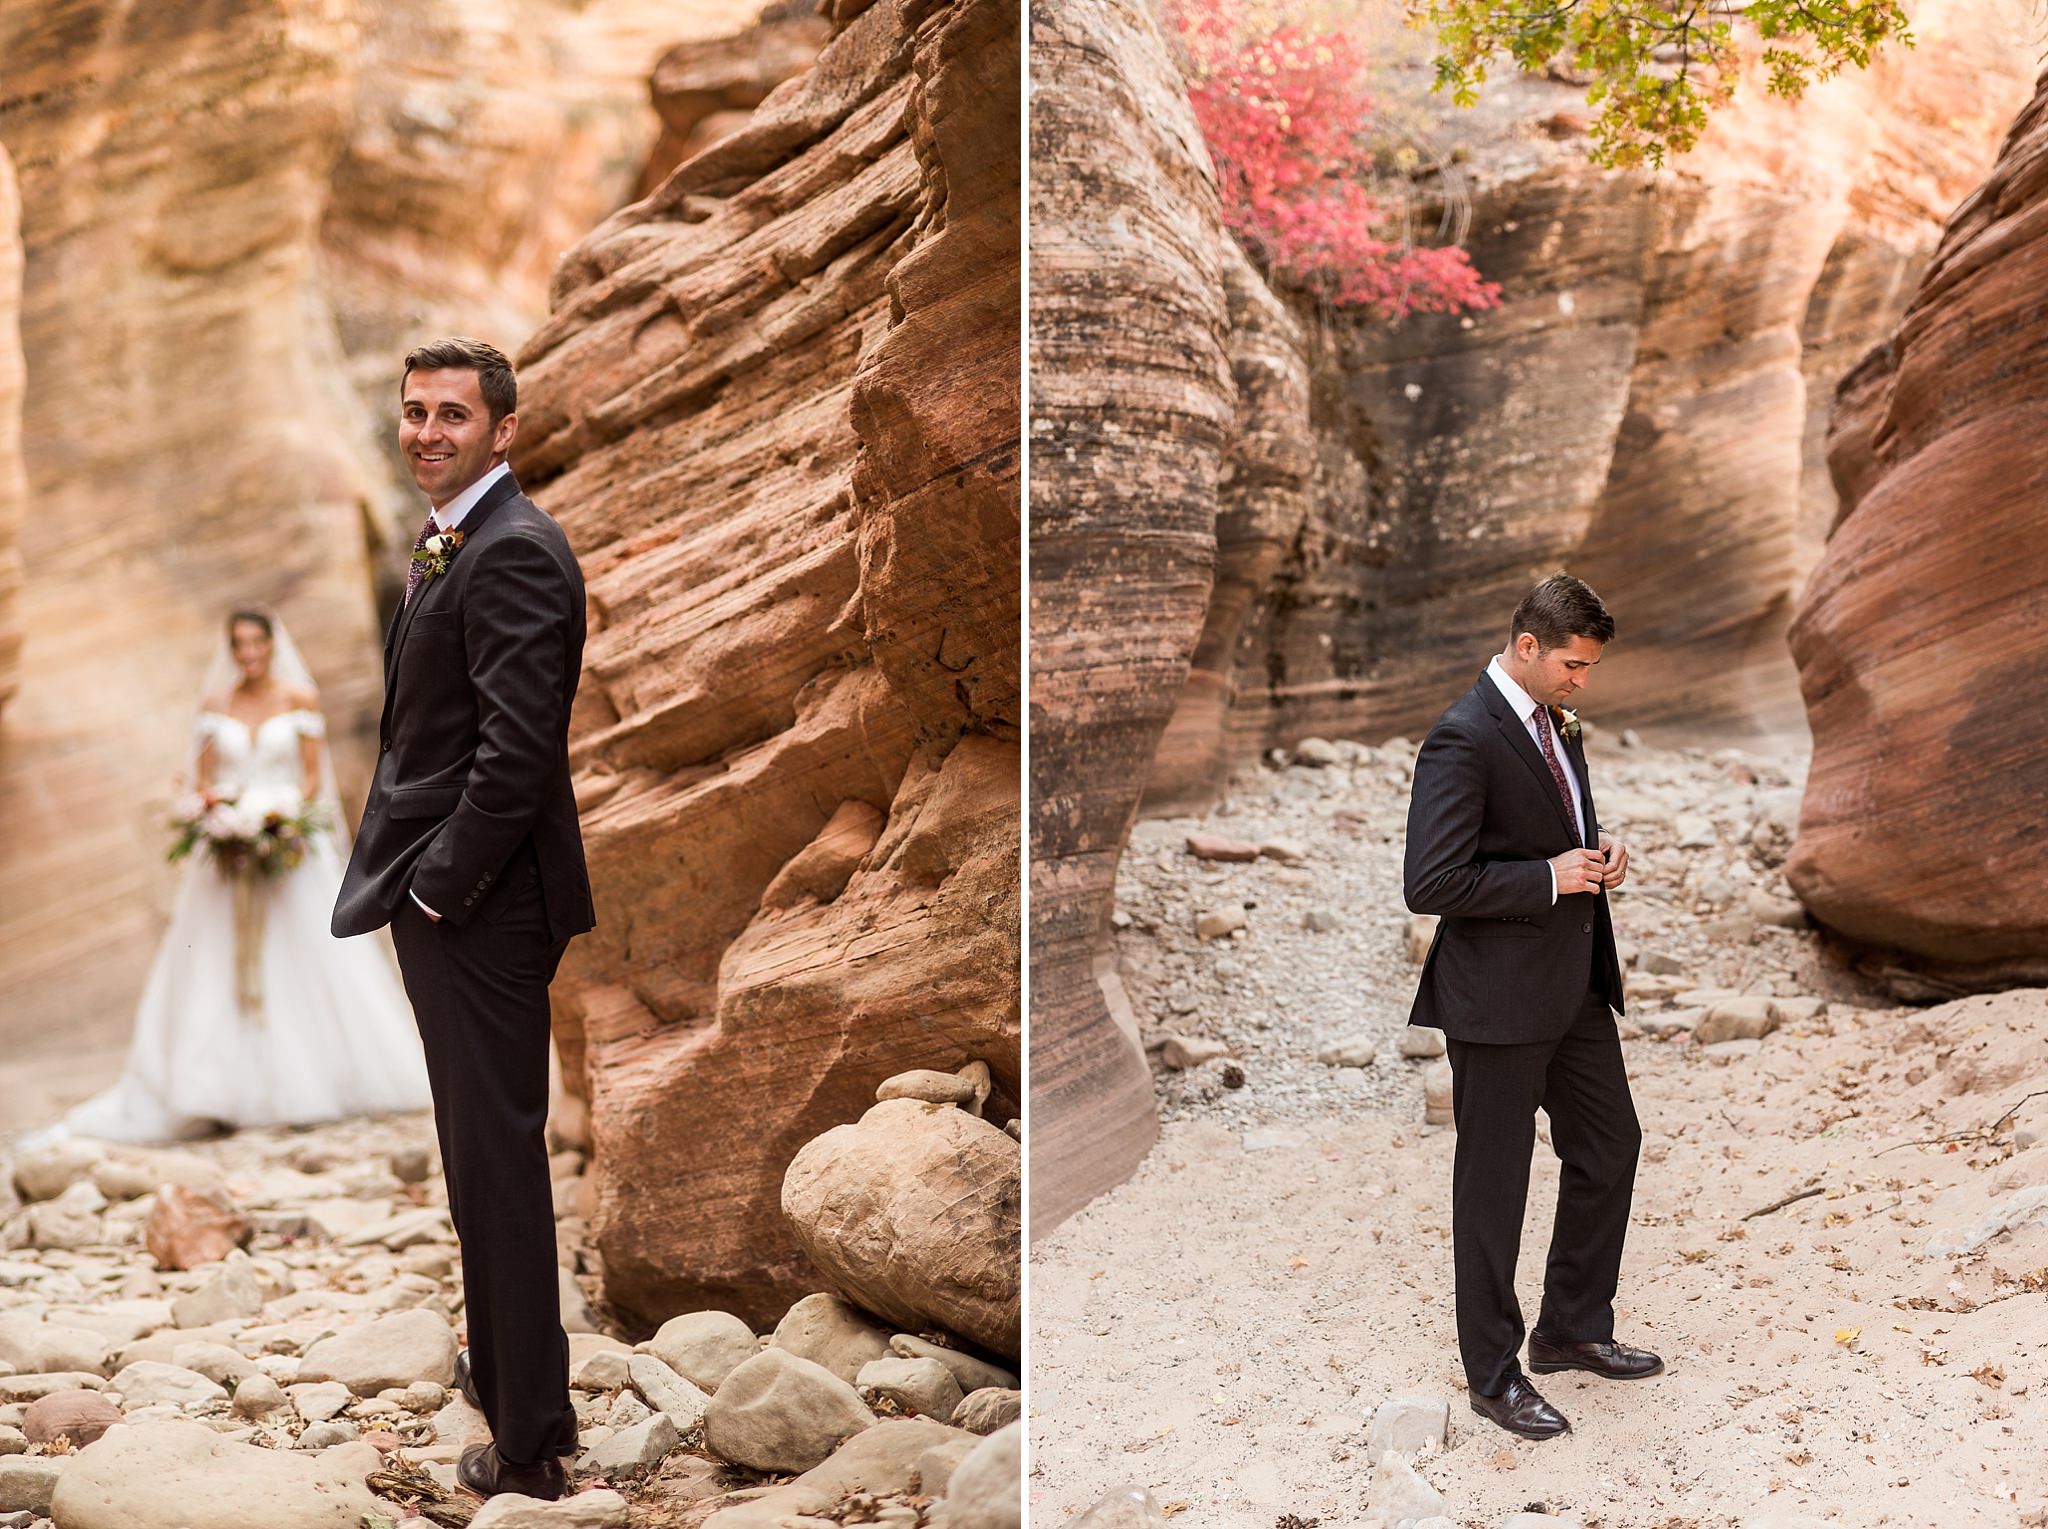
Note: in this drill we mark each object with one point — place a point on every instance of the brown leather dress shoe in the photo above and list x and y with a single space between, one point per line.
1519 1409
486 1472
1610 1361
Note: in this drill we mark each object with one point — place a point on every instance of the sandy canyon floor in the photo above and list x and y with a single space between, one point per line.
1871 1351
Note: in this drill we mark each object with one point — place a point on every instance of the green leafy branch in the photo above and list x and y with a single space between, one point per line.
1654 69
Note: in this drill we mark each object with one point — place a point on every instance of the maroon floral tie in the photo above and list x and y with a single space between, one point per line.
1557 769
416 571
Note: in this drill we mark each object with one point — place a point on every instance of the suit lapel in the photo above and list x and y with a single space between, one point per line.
1516 732
505 488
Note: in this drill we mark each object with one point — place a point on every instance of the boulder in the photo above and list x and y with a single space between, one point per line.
1407 1425
169 1475
777 1412
28 1482
914 1385
1736 1019
149 1384
988 1409
1129 1507
386 1351
230 1295
987 1491
666 1391
80 1416
601 1508
915 1212
932 1087
636 1447
35 1347
704 1346
47 1171
971 1373
828 1331
895 1457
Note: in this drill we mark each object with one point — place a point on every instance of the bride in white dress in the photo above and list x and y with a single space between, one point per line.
331 1033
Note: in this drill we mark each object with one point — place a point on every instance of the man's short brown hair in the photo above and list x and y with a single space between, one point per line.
1559 609
493 372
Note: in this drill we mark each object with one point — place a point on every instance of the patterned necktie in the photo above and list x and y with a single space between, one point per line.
416 571
1542 715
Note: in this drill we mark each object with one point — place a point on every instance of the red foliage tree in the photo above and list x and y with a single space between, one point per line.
1284 110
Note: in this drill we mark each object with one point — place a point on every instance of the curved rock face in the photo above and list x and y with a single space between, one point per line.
13 479
1132 408
237 217
1645 407
704 90
1920 638
776 410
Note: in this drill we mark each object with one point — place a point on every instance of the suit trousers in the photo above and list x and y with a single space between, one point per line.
1579 1081
480 997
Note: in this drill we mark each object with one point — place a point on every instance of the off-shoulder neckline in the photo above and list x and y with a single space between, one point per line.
289 711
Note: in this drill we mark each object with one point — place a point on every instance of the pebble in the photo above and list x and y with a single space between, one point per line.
29 1482
601 1509
914 1385
931 1086
259 1396
323 1435
1352 1051
828 1331
666 1391
1182 1052
988 1409
1399 1496
972 1374
703 1347
986 1491
636 1448
1220 921
777 1412
1407 1425
1322 921
1217 847
1437 1095
1421 1042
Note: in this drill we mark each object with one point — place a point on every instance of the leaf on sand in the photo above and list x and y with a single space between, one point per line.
1847 1336
1297 1262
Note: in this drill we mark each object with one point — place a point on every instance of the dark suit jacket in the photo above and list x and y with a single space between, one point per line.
472 781
1507 965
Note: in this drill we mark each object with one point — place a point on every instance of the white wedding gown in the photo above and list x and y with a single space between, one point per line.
335 1035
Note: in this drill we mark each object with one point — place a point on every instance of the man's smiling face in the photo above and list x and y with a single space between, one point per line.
446 434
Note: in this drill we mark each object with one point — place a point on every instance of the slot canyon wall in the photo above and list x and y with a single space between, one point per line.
1922 634
13 480
775 409
235 218
1647 407
1364 502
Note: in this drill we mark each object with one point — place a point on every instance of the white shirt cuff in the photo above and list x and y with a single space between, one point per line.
1546 865
430 912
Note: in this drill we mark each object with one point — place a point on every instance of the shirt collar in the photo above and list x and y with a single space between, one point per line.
1524 705
449 516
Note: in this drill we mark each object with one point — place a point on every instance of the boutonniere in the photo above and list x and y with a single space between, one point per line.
437 552
1567 723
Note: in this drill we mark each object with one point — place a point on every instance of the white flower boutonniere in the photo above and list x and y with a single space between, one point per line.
437 552
1567 723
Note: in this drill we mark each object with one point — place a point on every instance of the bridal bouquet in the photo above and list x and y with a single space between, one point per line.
256 833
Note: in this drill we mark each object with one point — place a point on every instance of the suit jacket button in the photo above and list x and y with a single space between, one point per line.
1585 929
387 745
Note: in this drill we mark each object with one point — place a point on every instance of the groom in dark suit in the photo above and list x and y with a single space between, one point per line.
469 849
1504 845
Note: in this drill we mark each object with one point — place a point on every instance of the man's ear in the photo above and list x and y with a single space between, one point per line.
501 438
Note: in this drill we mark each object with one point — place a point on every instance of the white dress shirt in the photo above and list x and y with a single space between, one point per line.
1528 710
448 517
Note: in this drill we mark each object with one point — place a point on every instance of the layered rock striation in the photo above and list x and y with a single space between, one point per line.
1645 407
1920 633
1132 411
237 217
775 408
1264 520
13 479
